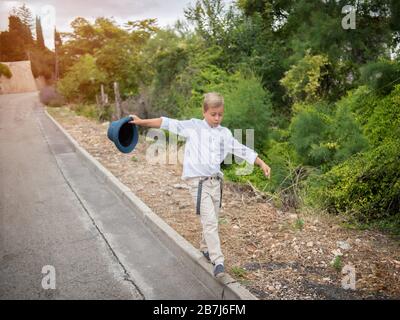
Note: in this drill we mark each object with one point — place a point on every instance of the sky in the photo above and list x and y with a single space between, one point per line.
60 13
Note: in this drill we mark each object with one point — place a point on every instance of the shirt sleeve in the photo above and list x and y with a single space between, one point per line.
240 150
179 127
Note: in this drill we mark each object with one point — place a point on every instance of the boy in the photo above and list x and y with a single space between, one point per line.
207 145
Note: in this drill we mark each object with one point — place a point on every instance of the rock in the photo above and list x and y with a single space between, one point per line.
337 252
343 245
310 244
236 227
181 186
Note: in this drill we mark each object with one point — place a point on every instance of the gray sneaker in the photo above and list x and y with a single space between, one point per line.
219 270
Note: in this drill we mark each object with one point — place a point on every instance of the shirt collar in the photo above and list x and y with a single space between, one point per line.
208 126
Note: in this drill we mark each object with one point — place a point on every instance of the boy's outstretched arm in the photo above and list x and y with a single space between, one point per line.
264 167
151 123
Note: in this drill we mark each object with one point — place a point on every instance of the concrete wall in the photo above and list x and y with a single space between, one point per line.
22 79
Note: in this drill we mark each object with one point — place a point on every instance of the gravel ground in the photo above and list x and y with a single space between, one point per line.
265 249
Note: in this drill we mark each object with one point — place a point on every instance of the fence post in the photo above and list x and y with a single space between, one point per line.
118 113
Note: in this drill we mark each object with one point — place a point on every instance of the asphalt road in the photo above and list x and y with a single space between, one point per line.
42 223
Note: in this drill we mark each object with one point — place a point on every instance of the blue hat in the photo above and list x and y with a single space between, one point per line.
124 134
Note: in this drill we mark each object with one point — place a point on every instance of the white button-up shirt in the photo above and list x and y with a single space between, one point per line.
206 147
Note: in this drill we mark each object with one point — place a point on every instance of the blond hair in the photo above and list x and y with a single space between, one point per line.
212 100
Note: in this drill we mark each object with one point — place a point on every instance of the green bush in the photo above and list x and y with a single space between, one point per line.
92 111
381 76
324 135
366 186
303 82
384 121
347 134
286 179
5 71
86 110
309 134
361 103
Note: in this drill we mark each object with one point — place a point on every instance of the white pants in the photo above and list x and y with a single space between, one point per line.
209 212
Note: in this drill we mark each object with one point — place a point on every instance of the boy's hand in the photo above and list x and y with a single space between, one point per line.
136 119
264 167
267 170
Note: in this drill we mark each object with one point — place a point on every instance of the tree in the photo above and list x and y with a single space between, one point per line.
294 27
82 81
214 23
25 15
305 80
16 42
39 34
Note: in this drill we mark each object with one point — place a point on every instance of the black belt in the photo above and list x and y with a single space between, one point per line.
200 190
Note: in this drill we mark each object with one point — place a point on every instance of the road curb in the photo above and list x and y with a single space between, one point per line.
226 288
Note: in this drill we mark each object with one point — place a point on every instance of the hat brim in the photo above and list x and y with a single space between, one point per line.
124 135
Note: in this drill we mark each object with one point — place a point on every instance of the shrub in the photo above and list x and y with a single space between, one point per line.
346 134
384 121
50 97
366 186
92 111
381 76
337 263
309 134
304 81
324 135
86 110
5 71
